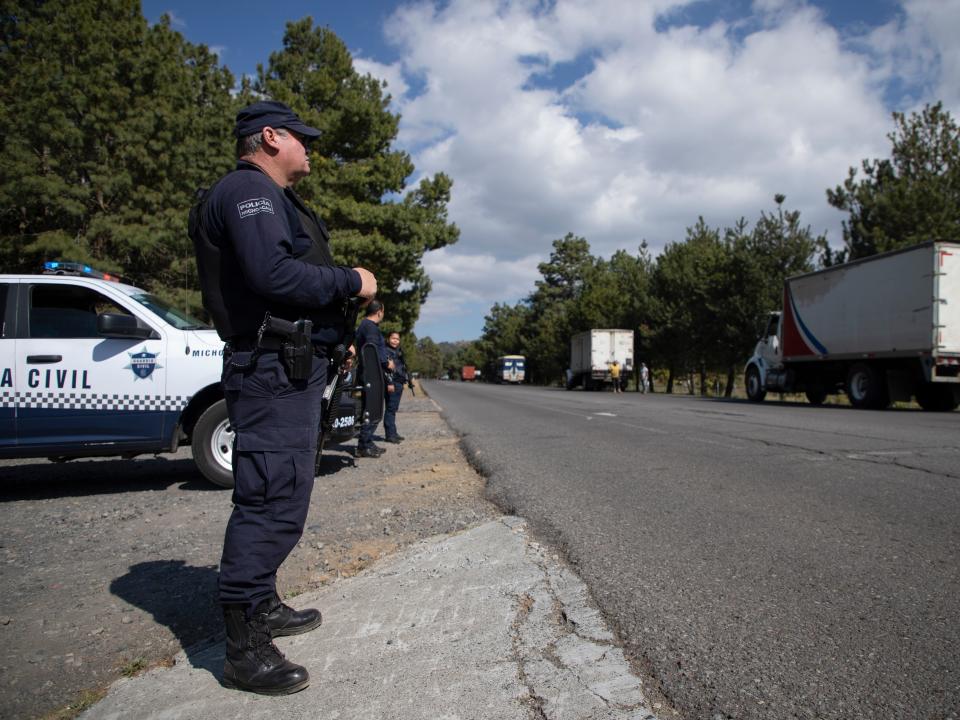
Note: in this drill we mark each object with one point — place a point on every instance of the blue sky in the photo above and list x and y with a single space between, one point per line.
617 120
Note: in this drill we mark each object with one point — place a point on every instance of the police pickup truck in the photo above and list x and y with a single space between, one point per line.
90 366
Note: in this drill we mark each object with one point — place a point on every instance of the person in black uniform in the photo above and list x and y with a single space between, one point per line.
262 253
368 333
398 378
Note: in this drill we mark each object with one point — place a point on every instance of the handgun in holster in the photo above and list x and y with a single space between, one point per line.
296 347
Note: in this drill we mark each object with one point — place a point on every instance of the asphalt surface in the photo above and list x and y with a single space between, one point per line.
766 561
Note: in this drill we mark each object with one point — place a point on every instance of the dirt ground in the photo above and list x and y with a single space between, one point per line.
108 567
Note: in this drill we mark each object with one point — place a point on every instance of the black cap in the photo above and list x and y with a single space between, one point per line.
254 118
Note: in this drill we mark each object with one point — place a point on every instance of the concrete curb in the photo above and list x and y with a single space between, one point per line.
484 624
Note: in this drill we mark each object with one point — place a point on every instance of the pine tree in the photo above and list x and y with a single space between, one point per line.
116 123
911 197
357 179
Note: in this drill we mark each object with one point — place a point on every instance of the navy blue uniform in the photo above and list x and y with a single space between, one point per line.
267 263
399 379
368 332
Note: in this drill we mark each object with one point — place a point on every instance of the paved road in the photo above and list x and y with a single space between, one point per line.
764 561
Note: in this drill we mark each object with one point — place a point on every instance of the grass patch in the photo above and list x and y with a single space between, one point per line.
134 667
86 700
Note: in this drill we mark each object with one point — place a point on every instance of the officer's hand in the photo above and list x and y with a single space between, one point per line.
390 365
348 358
390 388
368 284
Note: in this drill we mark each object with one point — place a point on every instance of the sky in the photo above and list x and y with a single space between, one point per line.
620 121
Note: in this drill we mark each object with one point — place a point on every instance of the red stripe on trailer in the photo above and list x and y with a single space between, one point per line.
793 343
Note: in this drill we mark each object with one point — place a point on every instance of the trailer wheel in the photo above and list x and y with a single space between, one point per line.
866 387
755 389
935 398
212 445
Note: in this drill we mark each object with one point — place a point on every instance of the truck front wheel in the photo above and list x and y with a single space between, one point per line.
212 445
866 387
755 389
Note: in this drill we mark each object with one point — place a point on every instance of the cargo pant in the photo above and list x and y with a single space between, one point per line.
276 422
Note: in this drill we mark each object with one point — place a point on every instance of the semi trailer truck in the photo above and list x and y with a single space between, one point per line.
881 329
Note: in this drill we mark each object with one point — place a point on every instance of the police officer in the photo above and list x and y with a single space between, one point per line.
261 253
368 333
398 378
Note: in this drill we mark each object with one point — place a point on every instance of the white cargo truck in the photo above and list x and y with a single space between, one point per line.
881 329
592 352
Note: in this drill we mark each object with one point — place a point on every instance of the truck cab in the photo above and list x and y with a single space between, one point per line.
90 366
767 357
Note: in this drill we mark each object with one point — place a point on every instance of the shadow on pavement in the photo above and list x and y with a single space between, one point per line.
336 457
184 599
37 480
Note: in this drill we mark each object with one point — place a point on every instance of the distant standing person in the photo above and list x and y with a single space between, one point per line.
369 333
644 378
395 387
615 375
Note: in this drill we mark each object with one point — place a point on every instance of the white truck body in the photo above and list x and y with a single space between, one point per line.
591 353
891 320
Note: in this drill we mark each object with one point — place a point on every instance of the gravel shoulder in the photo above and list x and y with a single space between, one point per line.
108 567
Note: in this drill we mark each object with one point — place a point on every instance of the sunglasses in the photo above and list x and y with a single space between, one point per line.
302 139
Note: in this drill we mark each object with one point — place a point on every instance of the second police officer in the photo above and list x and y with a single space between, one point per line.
262 254
368 333
398 378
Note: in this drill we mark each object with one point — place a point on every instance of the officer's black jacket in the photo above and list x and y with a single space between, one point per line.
369 332
399 371
260 257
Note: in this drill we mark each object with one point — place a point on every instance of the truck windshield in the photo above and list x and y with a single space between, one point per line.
179 319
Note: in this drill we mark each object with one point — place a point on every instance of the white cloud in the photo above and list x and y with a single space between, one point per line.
465 278
663 122
392 74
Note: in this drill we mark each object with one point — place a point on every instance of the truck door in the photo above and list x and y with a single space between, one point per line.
77 388
8 410
948 293
769 346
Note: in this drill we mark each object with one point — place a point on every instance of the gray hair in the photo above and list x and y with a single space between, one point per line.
251 143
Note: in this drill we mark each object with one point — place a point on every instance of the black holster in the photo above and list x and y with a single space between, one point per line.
296 349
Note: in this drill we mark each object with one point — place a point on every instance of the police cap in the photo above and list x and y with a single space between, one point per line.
270 113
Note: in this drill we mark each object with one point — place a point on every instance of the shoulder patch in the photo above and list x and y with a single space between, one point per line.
254 206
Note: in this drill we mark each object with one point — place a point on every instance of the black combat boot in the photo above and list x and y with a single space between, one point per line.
253 662
284 620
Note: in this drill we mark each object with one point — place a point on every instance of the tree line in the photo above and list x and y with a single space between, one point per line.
697 308
113 124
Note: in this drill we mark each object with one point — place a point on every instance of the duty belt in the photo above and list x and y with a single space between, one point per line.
243 343
249 343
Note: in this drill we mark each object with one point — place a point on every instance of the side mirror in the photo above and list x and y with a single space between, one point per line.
122 326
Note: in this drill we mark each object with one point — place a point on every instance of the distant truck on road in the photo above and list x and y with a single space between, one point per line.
511 369
468 373
881 329
592 352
